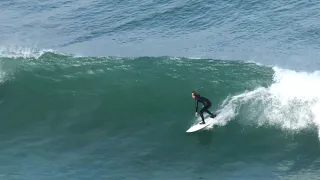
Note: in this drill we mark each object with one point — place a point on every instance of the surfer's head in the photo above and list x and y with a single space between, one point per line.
194 94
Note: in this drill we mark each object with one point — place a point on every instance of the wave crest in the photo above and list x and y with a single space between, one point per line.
291 102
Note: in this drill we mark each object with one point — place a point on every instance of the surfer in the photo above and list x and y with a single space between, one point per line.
206 105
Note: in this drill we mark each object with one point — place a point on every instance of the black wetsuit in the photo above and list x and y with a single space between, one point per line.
206 105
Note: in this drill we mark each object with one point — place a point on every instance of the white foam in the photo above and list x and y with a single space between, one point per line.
291 102
22 52
2 76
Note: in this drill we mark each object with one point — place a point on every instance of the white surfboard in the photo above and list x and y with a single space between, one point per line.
198 126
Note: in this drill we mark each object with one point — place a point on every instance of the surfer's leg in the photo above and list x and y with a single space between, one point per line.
211 114
206 109
201 115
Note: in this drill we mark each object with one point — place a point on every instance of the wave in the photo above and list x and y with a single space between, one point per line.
291 102
253 95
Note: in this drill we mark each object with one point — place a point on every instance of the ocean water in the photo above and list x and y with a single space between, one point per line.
102 89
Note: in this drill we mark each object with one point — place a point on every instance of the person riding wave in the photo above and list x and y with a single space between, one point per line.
206 105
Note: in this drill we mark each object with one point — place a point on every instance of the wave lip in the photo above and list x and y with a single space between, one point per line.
22 52
291 102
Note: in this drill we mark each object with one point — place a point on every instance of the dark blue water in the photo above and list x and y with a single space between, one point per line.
282 32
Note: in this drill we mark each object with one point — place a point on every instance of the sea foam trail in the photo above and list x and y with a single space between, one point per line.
291 102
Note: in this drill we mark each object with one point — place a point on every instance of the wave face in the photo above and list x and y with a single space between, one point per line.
69 117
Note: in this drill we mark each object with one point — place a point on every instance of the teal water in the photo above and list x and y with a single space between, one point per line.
66 117
102 89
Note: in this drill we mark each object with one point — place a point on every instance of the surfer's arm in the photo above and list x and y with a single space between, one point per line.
196 104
